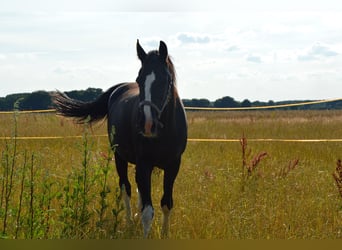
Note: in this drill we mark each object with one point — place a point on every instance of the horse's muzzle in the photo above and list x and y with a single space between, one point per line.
148 126
151 128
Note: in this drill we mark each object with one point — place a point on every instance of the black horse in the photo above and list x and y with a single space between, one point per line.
150 128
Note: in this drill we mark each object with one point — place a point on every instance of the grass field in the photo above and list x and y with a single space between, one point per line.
67 188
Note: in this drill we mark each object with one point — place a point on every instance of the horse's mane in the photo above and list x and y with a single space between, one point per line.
172 70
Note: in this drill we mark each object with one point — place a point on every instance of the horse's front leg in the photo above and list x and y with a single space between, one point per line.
170 174
143 179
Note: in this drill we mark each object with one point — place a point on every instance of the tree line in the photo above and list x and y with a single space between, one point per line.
230 102
40 100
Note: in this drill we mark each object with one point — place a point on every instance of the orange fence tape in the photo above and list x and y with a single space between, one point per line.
189 139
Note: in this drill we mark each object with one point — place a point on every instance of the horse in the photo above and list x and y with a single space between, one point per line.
150 129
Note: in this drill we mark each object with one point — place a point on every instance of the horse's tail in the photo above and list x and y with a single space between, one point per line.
83 111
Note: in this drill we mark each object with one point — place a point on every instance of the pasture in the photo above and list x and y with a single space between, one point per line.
55 187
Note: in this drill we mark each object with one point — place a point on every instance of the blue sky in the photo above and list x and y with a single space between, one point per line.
259 50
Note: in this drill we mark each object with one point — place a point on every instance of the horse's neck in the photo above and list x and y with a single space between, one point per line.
170 111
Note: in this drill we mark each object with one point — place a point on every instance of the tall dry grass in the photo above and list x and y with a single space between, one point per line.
67 188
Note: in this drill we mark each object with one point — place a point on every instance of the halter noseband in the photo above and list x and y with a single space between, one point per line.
154 106
149 103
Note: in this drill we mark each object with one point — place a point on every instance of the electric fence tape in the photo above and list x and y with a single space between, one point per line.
191 139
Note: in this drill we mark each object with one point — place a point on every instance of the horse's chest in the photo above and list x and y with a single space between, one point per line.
154 149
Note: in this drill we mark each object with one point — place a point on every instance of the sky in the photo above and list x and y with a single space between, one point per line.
257 50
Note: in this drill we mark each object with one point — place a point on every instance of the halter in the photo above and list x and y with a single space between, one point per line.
155 107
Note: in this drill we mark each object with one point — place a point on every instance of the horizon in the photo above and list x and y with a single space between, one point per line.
257 51
193 98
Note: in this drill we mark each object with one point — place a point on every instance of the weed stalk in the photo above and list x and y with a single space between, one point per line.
22 184
9 165
248 166
337 175
31 209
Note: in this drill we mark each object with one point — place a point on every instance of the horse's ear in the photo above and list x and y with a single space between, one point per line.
141 52
163 51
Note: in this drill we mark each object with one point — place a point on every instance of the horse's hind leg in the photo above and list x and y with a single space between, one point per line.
125 186
170 174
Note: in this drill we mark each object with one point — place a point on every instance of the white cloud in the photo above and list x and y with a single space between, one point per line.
232 48
317 52
253 58
189 38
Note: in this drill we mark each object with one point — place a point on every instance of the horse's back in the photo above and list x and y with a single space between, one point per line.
121 115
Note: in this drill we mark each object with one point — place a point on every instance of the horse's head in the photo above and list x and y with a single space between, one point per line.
155 81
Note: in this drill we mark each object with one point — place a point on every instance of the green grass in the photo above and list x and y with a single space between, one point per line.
67 188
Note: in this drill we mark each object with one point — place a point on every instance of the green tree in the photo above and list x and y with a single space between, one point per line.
37 100
226 102
246 103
